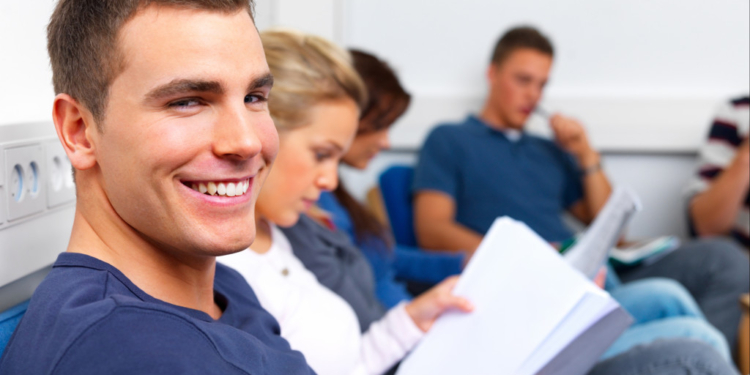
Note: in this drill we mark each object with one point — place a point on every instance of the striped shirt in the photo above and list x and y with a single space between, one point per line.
728 131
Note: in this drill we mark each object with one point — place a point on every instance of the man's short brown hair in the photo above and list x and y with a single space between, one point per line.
82 43
518 38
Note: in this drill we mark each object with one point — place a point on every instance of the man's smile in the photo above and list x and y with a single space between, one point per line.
220 188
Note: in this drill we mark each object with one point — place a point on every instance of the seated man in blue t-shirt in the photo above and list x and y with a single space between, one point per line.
152 100
487 166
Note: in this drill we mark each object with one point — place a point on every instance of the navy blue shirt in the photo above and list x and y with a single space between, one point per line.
489 175
87 318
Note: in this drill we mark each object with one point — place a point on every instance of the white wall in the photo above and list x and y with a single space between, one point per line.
638 47
25 76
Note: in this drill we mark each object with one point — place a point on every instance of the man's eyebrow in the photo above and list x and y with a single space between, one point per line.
182 86
265 80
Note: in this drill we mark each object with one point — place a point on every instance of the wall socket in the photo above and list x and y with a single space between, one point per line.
26 176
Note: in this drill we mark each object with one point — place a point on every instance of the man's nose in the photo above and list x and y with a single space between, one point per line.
535 92
236 134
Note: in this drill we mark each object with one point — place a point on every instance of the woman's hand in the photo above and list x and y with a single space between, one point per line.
601 277
426 308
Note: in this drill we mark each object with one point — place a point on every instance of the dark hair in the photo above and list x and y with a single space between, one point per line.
387 102
83 48
387 98
521 37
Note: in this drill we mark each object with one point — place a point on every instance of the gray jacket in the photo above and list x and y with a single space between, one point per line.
339 265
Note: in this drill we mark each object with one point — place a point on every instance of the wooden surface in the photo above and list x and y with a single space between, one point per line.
744 337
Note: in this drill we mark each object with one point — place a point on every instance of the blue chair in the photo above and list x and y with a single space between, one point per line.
9 320
395 187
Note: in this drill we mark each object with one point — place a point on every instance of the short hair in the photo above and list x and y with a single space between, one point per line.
307 71
518 38
83 49
387 98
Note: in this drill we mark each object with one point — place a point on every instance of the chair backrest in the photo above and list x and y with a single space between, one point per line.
395 187
8 321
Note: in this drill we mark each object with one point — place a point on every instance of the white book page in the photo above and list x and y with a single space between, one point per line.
522 290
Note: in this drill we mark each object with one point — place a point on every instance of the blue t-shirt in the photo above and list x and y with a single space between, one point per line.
391 265
489 175
87 318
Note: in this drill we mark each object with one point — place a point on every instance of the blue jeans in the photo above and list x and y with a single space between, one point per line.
666 357
715 272
662 309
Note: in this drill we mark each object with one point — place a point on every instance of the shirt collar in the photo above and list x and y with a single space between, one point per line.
512 135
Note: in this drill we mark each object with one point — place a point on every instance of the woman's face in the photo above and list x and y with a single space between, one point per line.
365 147
368 143
307 162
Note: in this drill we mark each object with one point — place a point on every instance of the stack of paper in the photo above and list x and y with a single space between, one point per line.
534 314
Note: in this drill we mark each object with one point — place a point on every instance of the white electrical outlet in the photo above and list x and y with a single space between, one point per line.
24 169
60 186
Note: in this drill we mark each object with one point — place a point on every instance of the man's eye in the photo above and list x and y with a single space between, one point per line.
524 80
184 103
253 98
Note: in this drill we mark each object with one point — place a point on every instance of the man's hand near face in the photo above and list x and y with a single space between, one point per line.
571 136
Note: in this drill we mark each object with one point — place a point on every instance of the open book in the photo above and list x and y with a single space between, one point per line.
592 250
534 314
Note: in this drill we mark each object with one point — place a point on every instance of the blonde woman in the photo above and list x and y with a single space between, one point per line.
315 104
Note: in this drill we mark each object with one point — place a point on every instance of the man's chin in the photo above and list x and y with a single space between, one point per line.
228 243
226 249
519 125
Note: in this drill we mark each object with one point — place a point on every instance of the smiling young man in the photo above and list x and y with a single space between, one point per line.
161 108
487 166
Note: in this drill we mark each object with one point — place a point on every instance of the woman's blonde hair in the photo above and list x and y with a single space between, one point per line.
307 70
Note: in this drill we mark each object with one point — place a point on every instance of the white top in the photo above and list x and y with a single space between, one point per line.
317 322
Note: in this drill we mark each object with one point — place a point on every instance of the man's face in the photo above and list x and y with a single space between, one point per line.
516 85
188 112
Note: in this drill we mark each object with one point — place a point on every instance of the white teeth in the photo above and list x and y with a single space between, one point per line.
228 189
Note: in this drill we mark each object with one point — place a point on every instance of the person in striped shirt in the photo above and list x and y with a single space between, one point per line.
719 196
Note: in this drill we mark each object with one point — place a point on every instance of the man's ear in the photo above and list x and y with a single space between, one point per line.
75 127
491 72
